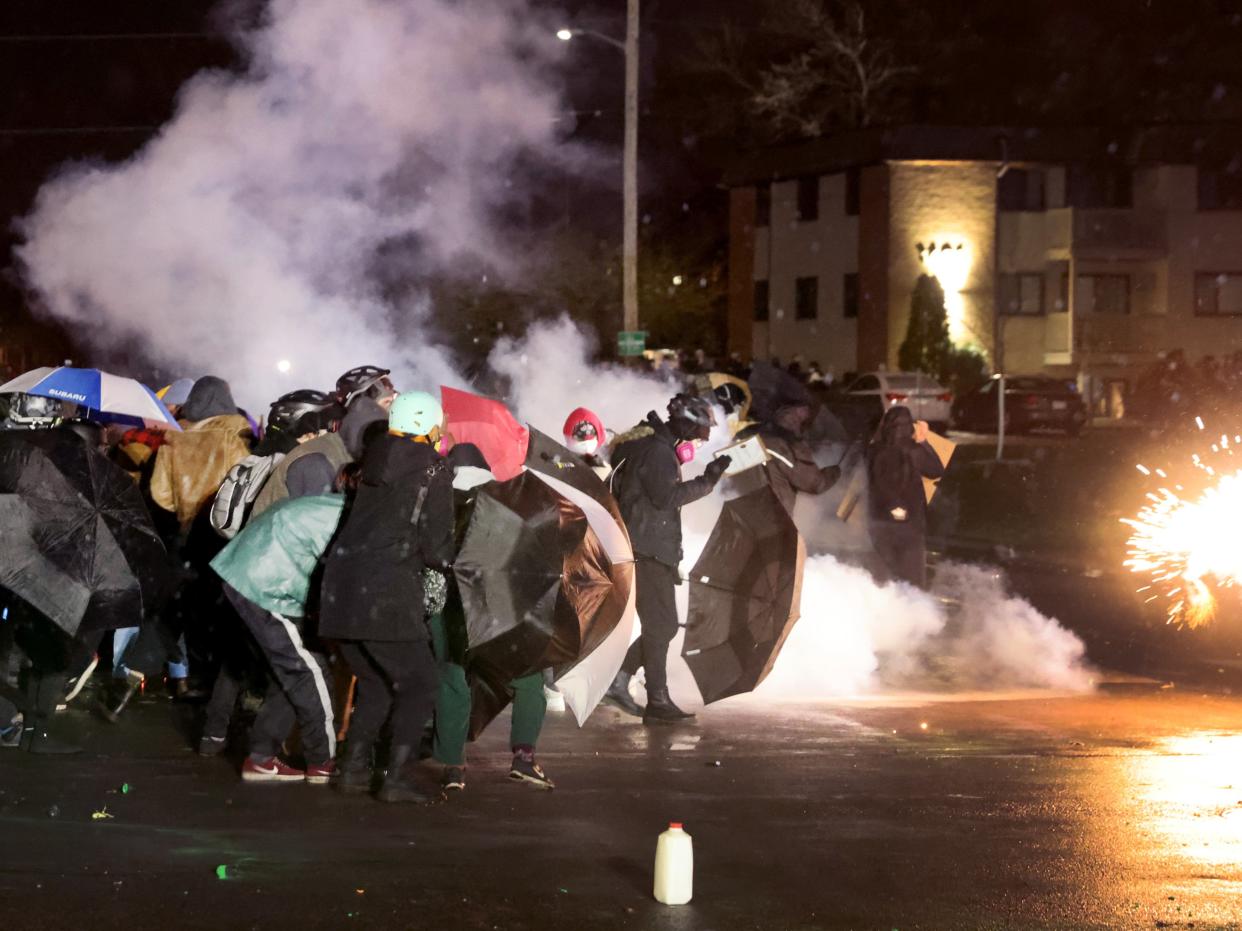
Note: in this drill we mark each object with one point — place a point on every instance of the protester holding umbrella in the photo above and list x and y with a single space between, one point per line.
453 700
78 556
313 462
647 482
399 523
897 462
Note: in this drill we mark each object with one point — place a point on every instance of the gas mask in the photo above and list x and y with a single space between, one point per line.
685 450
583 447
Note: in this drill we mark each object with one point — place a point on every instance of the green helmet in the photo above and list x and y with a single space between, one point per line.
415 413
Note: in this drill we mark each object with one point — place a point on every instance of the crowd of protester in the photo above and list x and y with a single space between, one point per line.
308 556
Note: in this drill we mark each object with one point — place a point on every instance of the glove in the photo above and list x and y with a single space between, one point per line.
831 474
716 468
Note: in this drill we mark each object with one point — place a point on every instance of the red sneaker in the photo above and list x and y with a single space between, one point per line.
319 775
272 769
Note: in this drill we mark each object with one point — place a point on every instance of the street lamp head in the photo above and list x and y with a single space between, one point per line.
564 34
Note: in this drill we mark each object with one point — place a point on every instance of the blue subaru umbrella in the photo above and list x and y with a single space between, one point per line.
115 397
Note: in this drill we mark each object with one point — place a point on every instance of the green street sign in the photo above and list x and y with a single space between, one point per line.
631 342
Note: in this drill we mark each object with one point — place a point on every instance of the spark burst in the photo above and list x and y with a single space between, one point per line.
1187 543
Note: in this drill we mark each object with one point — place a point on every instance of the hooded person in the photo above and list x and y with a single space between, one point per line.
399 523
898 460
647 483
791 468
267 570
193 461
453 697
585 435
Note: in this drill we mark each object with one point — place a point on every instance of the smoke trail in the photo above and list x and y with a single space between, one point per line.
279 212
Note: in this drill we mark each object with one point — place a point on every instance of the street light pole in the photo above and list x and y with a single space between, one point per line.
629 247
629 184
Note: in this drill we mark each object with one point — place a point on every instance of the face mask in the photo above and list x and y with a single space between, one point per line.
685 451
583 447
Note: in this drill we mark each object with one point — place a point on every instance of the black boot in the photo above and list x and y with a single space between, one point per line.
398 786
661 710
45 692
354 775
119 696
618 695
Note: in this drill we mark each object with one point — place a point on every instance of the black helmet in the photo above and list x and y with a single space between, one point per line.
691 408
361 380
286 409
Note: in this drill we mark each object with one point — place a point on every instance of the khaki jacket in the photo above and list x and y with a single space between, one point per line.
190 466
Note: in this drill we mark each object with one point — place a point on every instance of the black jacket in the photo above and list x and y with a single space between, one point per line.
372 582
896 476
646 480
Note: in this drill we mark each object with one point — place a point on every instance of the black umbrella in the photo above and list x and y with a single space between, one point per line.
78 545
745 591
566 588
773 388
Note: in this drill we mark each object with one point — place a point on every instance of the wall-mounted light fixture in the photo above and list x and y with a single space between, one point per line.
948 260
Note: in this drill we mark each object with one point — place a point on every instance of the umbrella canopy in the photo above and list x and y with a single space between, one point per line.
772 389
78 545
569 591
745 592
487 424
608 634
111 395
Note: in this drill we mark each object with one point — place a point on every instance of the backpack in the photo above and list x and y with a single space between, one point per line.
238 491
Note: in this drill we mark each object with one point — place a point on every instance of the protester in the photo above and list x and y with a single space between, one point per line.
189 468
267 570
280 434
647 482
791 468
897 462
194 460
312 463
453 699
399 523
584 434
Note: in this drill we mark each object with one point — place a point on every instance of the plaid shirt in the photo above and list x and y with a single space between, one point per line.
153 439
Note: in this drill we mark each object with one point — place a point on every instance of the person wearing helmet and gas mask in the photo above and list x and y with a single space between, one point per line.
649 489
400 522
367 394
584 435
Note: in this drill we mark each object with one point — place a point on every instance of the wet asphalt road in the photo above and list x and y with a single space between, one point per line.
1107 811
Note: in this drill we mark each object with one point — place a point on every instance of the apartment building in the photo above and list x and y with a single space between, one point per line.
1076 253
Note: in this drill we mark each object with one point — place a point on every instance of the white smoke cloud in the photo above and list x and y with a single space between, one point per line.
264 221
857 637
552 370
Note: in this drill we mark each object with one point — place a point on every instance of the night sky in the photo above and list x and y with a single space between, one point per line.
86 80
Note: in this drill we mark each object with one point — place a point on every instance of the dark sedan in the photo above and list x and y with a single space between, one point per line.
1031 403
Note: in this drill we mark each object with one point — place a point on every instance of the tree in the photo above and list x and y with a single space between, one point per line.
926 347
824 70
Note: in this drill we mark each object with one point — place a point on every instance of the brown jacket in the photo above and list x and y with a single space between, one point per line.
792 469
190 466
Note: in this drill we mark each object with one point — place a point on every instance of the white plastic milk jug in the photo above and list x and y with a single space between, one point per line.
674 866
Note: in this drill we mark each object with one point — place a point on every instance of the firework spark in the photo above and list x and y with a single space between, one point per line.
1187 544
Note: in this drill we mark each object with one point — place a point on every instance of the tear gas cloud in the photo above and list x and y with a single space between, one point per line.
855 636
363 142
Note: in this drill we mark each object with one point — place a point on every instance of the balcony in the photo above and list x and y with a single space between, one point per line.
1106 233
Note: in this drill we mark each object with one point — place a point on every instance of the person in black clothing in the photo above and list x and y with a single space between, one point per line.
372 600
647 483
897 462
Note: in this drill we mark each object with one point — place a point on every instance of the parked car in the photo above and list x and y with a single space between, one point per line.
1032 402
866 398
